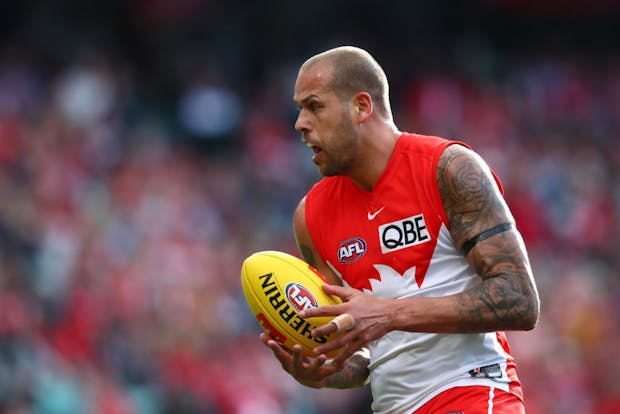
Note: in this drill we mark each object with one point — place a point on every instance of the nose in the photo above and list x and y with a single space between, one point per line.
301 125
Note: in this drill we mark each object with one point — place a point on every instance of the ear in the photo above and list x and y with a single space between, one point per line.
362 106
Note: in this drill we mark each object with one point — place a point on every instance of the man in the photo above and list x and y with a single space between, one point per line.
416 238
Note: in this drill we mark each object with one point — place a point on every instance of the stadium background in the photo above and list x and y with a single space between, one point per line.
147 147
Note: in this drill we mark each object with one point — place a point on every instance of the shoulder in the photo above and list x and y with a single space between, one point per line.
460 170
451 155
471 193
429 141
460 164
428 146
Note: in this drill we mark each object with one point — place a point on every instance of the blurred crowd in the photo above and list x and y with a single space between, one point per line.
124 222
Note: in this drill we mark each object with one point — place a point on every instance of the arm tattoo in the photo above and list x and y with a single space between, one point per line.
506 298
469 244
306 252
354 374
469 195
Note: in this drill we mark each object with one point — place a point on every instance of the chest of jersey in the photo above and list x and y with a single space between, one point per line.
392 229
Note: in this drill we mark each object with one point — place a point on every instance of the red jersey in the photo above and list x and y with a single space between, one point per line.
394 242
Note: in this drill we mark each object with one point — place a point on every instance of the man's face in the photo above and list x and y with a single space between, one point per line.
326 123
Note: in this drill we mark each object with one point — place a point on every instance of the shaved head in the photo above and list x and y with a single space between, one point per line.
354 70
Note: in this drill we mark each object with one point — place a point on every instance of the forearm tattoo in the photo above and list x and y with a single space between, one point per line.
507 298
469 244
354 374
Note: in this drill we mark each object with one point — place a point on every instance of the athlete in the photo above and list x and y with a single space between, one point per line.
415 237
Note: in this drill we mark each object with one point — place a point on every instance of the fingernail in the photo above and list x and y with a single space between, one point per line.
302 314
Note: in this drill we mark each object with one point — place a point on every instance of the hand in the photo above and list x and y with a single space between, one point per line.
372 320
307 371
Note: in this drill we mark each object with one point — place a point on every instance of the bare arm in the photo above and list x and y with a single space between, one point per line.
507 298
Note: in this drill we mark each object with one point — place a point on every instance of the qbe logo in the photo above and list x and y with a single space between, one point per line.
403 233
299 297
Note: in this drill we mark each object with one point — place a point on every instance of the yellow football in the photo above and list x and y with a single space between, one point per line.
277 286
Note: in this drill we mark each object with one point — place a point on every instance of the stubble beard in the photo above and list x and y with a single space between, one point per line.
339 159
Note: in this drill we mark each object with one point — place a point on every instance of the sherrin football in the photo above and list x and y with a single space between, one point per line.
277 286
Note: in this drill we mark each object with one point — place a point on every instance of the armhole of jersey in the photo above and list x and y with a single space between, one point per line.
497 181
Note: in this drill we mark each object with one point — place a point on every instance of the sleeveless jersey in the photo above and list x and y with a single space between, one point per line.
394 242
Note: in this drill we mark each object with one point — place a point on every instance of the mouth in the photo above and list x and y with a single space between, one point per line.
315 149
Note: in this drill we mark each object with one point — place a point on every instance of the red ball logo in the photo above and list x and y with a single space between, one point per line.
299 297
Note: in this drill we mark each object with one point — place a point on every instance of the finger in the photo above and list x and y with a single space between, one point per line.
346 340
325 310
344 322
349 350
323 330
301 365
297 364
281 353
265 338
341 323
316 363
342 292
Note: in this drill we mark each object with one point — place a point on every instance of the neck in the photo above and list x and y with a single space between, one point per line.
376 156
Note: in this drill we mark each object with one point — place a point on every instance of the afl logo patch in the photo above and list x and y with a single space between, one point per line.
299 297
351 250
